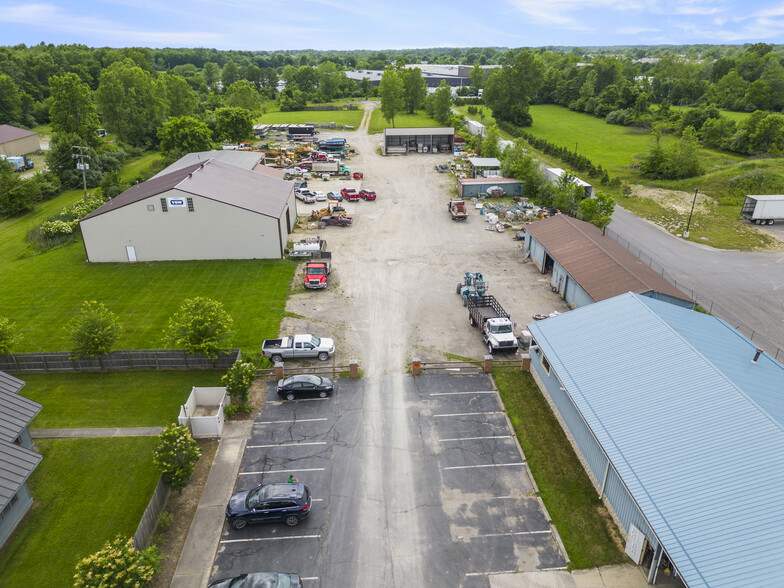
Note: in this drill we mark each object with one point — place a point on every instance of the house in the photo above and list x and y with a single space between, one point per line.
17 456
404 140
484 167
15 141
587 266
679 421
207 210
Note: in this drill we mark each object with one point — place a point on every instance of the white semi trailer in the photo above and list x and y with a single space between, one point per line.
763 209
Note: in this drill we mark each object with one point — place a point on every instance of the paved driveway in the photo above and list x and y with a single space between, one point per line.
467 512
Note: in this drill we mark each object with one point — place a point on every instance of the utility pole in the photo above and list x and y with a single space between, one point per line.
688 224
82 165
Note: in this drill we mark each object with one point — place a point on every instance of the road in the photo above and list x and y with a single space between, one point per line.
749 285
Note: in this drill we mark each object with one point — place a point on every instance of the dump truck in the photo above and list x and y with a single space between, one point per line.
763 210
329 167
457 209
316 272
493 321
20 163
298 347
311 247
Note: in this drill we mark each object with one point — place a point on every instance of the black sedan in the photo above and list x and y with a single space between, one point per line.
305 385
260 580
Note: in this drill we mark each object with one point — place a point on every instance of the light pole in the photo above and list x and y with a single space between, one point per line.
688 223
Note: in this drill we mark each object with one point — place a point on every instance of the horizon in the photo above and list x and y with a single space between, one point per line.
227 25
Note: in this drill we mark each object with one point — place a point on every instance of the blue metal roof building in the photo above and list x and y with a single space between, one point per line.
681 429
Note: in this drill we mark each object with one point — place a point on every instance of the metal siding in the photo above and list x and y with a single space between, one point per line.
625 508
696 449
15 514
667 298
577 297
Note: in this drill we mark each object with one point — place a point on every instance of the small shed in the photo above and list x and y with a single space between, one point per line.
15 141
475 187
484 167
554 175
407 140
203 411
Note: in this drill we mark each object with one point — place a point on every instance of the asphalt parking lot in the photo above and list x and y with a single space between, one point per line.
469 513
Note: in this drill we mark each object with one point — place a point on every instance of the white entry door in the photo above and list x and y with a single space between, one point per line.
131 251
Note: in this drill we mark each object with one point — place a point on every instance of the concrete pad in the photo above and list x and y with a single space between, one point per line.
623 576
588 578
553 579
190 581
202 542
218 494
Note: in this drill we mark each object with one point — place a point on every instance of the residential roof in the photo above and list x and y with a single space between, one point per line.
16 412
243 159
407 131
9 133
690 437
484 161
602 267
10 384
216 180
488 181
16 465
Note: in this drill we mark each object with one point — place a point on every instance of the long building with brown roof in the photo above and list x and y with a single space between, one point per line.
587 266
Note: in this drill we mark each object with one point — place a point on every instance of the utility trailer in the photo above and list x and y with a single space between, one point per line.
457 208
763 210
497 329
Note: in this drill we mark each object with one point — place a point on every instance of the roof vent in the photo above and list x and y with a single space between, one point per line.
756 355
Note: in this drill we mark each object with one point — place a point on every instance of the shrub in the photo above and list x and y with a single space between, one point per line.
176 455
118 563
55 228
8 335
201 326
94 331
238 381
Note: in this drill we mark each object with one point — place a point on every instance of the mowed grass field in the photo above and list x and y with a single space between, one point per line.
378 123
273 116
41 292
87 491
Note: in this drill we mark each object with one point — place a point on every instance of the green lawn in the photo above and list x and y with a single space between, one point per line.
113 399
149 164
340 117
738 117
568 494
87 491
42 292
420 119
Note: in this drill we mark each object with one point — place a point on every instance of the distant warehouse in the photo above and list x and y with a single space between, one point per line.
407 140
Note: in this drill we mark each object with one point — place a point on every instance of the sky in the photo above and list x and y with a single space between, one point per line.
268 25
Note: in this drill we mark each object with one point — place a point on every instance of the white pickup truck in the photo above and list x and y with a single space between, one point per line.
298 347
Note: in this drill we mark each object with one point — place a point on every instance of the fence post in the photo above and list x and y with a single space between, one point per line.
353 369
416 367
487 366
278 370
525 362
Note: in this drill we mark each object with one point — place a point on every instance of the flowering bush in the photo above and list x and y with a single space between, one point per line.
83 207
176 455
57 227
118 563
238 381
94 331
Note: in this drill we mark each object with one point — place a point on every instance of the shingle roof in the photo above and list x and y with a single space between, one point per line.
10 384
695 441
16 412
243 159
9 133
602 267
217 181
16 465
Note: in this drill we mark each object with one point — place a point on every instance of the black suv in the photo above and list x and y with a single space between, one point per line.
289 503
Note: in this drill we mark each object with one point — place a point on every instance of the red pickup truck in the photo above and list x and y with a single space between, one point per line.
350 194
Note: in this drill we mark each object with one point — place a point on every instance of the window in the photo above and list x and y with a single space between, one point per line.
190 204
164 208
545 364
151 207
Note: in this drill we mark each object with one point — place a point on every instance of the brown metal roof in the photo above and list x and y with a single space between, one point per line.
9 133
602 267
217 181
270 171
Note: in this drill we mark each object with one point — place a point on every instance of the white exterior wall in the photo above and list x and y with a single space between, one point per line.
21 146
213 231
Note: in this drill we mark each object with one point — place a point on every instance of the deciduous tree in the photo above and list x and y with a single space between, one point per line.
94 331
201 326
414 87
597 210
72 109
392 94
234 124
184 134
243 94
176 455
508 89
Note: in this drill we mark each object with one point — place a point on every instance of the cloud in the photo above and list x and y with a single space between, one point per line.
636 30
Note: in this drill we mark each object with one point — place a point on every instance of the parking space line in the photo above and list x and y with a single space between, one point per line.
454 414
487 465
279 402
475 438
292 444
291 421
280 472
270 538
456 393
510 534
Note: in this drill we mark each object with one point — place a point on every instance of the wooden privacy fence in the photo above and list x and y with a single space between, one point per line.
155 359
142 539
333 371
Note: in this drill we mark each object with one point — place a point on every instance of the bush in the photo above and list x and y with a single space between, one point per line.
95 331
201 326
8 335
118 563
623 117
176 455
238 381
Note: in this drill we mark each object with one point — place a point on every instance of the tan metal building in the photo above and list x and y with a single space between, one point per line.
15 141
207 210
